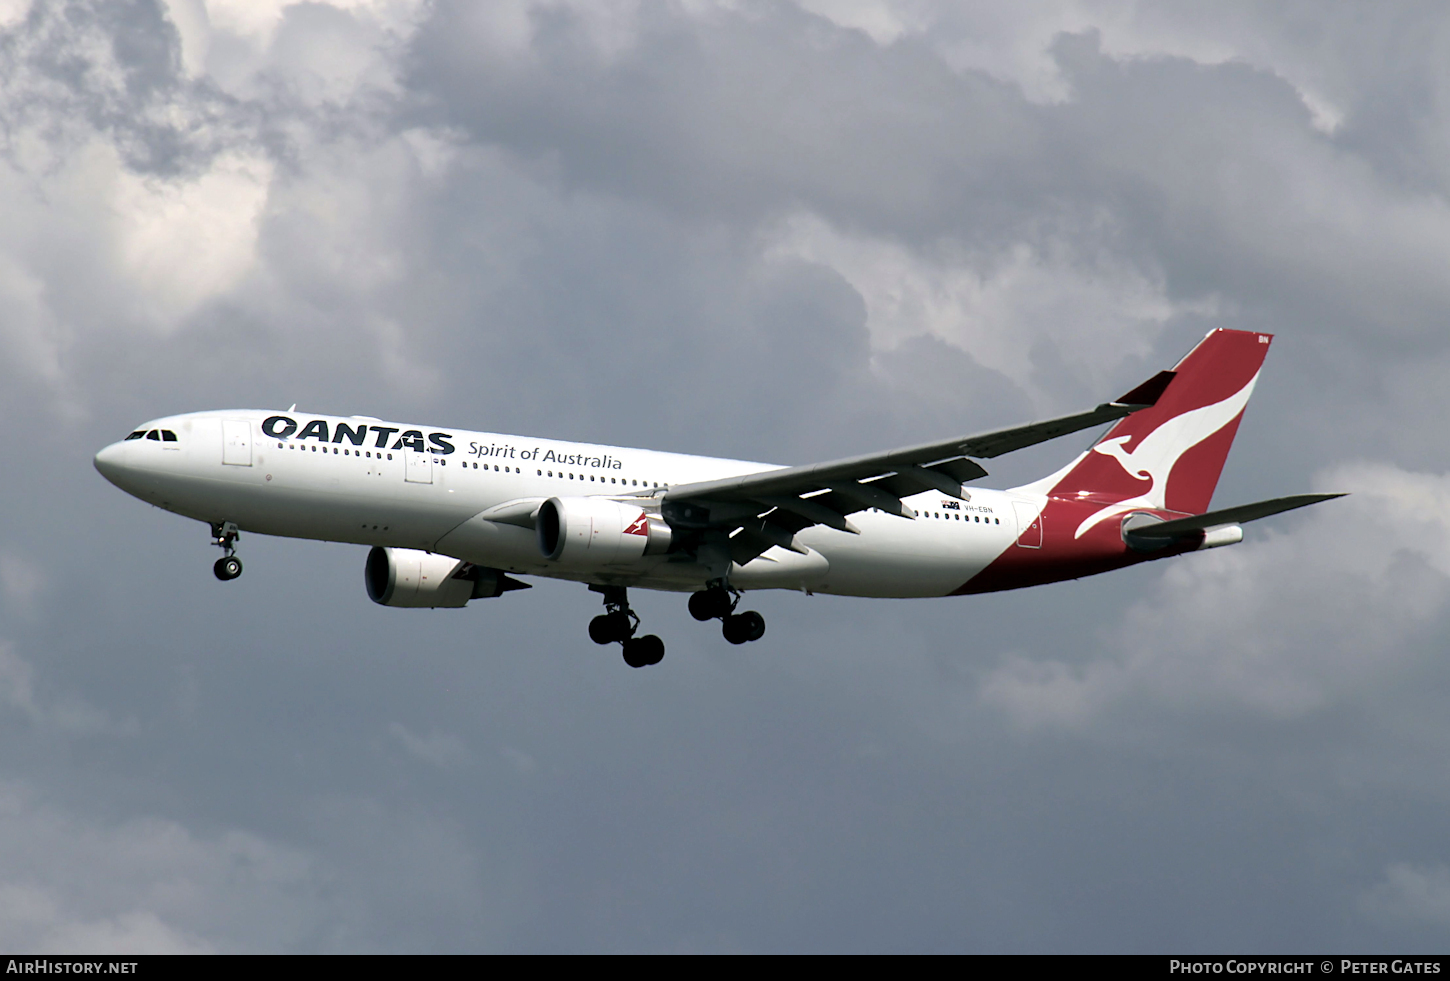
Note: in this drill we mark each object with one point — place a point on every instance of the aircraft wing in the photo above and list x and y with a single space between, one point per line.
763 509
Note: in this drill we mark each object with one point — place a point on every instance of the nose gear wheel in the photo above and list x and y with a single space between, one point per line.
224 535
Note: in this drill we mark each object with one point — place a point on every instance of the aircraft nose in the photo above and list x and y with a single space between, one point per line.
111 461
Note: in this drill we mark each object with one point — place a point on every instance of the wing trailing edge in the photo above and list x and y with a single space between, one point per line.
763 509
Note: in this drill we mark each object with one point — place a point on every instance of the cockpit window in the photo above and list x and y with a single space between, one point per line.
137 434
168 436
154 434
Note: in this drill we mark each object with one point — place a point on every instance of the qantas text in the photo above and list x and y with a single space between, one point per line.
285 427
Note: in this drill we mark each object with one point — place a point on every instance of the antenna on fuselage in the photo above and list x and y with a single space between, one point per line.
294 407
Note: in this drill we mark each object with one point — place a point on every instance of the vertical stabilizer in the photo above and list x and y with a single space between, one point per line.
1169 455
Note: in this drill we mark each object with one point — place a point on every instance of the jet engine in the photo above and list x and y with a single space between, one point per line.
408 577
593 532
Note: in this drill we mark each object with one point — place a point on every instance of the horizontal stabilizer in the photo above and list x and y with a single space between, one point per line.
1228 516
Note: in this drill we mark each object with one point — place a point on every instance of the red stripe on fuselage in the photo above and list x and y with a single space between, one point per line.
1100 549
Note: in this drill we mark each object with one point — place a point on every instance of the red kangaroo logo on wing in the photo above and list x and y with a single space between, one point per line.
640 526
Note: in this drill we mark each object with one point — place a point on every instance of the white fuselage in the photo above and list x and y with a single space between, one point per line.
354 480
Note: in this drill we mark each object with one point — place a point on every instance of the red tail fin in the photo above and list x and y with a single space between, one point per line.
1169 456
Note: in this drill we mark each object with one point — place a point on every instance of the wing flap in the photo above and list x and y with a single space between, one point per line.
811 511
826 493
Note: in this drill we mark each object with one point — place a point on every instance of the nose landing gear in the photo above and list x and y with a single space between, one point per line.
717 602
224 534
618 623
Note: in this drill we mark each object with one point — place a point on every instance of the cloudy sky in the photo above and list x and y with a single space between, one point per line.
783 231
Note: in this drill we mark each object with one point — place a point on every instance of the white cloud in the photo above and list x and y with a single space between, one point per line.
1297 618
258 20
1410 896
71 882
17 682
1001 306
32 340
1013 42
883 20
519 760
437 748
13 12
65 713
189 240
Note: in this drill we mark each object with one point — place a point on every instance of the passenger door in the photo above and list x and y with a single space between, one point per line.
236 442
1029 524
417 467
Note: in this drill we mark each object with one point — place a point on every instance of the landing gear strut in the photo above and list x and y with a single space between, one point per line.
618 623
224 534
718 602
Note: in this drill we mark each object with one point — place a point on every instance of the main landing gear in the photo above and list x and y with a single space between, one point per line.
224 534
717 602
618 623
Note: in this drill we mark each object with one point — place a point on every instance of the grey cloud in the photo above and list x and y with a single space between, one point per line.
75 884
577 233
734 117
114 64
1210 177
1349 599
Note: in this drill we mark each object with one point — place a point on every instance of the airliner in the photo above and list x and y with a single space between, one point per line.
452 515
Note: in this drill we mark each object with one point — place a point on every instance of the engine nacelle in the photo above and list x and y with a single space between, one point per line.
593 532
409 577
1135 524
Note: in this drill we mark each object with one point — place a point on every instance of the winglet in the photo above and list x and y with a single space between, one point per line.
1149 392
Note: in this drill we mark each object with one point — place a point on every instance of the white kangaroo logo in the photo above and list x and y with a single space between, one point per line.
1153 458
1114 448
